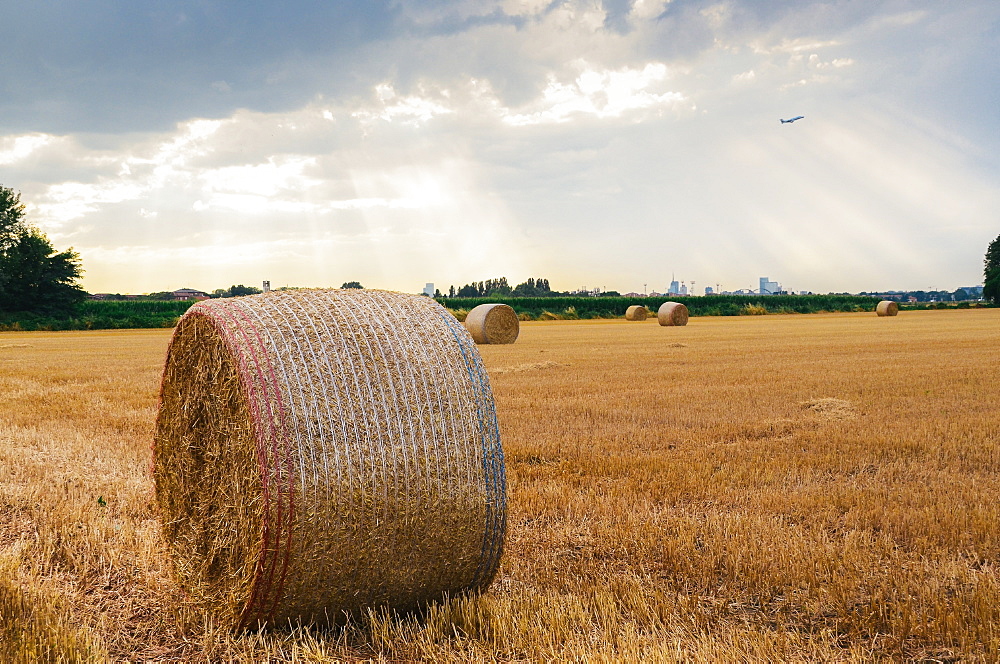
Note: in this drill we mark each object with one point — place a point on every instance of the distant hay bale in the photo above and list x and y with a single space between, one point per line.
636 312
315 457
493 324
887 308
672 313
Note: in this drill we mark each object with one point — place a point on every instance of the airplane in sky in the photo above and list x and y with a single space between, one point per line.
797 117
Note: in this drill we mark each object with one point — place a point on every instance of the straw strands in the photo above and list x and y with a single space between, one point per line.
887 308
321 452
672 313
493 324
636 312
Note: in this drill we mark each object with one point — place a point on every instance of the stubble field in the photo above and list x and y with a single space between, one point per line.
805 487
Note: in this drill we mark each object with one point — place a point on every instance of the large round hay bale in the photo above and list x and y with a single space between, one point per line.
636 312
887 308
321 452
672 313
493 324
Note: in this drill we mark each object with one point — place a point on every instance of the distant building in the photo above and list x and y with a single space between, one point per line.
190 294
675 288
684 290
633 295
769 287
709 291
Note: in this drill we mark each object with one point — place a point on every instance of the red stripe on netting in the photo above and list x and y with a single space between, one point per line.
263 574
265 430
268 586
217 317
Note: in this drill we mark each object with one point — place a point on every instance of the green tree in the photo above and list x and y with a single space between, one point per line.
351 284
991 275
234 291
12 222
34 277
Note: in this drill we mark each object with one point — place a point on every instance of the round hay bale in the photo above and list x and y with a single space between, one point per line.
493 324
318 453
636 312
672 313
887 308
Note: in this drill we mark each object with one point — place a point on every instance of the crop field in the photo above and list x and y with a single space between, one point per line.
757 488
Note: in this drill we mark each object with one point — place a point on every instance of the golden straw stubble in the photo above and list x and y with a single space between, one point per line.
205 466
636 312
887 308
315 457
672 313
493 324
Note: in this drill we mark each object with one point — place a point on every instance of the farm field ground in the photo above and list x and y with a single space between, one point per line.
758 488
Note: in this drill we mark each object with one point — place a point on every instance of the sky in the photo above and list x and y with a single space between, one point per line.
611 144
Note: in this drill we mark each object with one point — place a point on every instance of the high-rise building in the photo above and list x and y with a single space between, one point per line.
768 287
675 288
428 290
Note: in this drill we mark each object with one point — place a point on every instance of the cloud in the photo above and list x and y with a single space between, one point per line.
103 66
403 142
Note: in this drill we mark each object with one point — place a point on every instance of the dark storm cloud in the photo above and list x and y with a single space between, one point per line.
112 66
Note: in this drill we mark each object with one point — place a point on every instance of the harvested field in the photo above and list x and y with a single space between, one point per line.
765 488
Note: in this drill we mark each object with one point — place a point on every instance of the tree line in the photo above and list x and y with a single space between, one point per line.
39 282
531 287
957 295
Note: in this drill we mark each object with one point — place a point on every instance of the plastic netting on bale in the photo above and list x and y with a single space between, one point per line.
321 452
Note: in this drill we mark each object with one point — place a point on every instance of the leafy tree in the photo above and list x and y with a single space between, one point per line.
497 287
533 288
236 291
12 222
34 277
991 274
351 284
239 290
